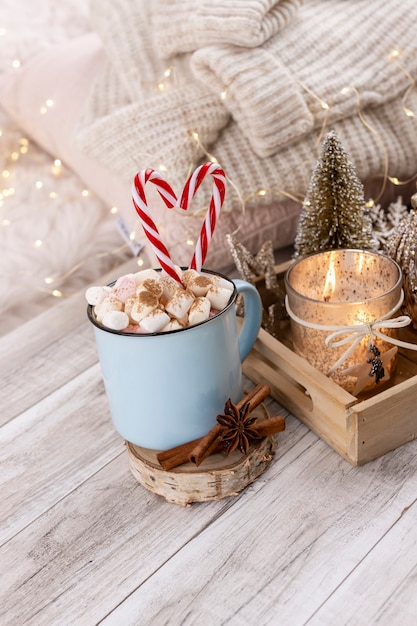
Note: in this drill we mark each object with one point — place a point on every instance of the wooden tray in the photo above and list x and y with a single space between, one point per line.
219 476
360 429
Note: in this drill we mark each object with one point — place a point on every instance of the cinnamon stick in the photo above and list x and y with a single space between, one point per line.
173 457
199 449
211 441
270 426
206 445
257 395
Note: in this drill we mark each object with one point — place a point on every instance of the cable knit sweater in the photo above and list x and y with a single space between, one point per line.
255 83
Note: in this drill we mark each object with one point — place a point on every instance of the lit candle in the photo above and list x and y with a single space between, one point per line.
330 292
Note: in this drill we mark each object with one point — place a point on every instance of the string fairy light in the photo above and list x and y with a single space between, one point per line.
163 83
15 150
203 209
49 103
394 57
15 158
274 192
344 91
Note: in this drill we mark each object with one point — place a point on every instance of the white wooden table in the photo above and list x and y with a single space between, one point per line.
312 541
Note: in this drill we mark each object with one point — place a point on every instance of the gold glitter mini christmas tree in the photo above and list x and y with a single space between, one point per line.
334 213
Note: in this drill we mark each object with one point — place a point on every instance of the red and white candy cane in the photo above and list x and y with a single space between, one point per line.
216 202
148 225
168 195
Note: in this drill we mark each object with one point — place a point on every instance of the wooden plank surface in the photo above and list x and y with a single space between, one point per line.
83 556
50 449
286 545
35 378
87 534
382 588
313 540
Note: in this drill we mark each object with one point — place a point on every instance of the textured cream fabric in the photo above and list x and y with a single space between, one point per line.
130 123
266 132
135 136
186 25
332 52
274 92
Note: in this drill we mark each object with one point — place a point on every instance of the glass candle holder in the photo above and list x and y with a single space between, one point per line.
339 289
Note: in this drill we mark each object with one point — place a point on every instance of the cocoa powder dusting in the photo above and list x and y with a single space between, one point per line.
202 282
153 286
147 298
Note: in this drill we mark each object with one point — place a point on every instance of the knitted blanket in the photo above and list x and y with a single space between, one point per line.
253 84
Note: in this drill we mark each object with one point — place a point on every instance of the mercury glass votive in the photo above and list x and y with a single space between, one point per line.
340 288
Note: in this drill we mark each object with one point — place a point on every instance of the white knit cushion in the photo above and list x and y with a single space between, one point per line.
330 62
260 93
185 25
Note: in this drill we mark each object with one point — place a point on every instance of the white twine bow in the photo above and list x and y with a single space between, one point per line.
354 334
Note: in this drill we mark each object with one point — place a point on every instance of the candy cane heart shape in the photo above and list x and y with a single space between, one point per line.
216 203
151 231
168 196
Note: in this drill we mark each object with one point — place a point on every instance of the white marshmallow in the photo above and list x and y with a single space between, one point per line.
199 311
219 281
108 304
199 285
169 285
155 321
183 320
188 276
219 297
179 303
95 295
129 302
143 275
172 325
145 303
153 286
115 320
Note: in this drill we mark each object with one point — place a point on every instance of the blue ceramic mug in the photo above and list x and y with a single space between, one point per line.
167 388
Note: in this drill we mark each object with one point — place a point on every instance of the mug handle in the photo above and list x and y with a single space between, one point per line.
252 319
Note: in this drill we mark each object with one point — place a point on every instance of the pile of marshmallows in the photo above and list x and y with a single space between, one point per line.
151 302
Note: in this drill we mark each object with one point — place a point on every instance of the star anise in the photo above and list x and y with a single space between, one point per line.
238 427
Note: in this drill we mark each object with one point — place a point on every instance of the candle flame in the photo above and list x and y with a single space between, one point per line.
329 285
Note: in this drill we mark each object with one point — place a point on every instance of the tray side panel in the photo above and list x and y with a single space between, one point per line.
325 414
385 422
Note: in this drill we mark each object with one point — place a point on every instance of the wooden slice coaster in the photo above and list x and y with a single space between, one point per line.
218 476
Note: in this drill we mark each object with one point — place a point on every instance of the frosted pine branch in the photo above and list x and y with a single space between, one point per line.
385 222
